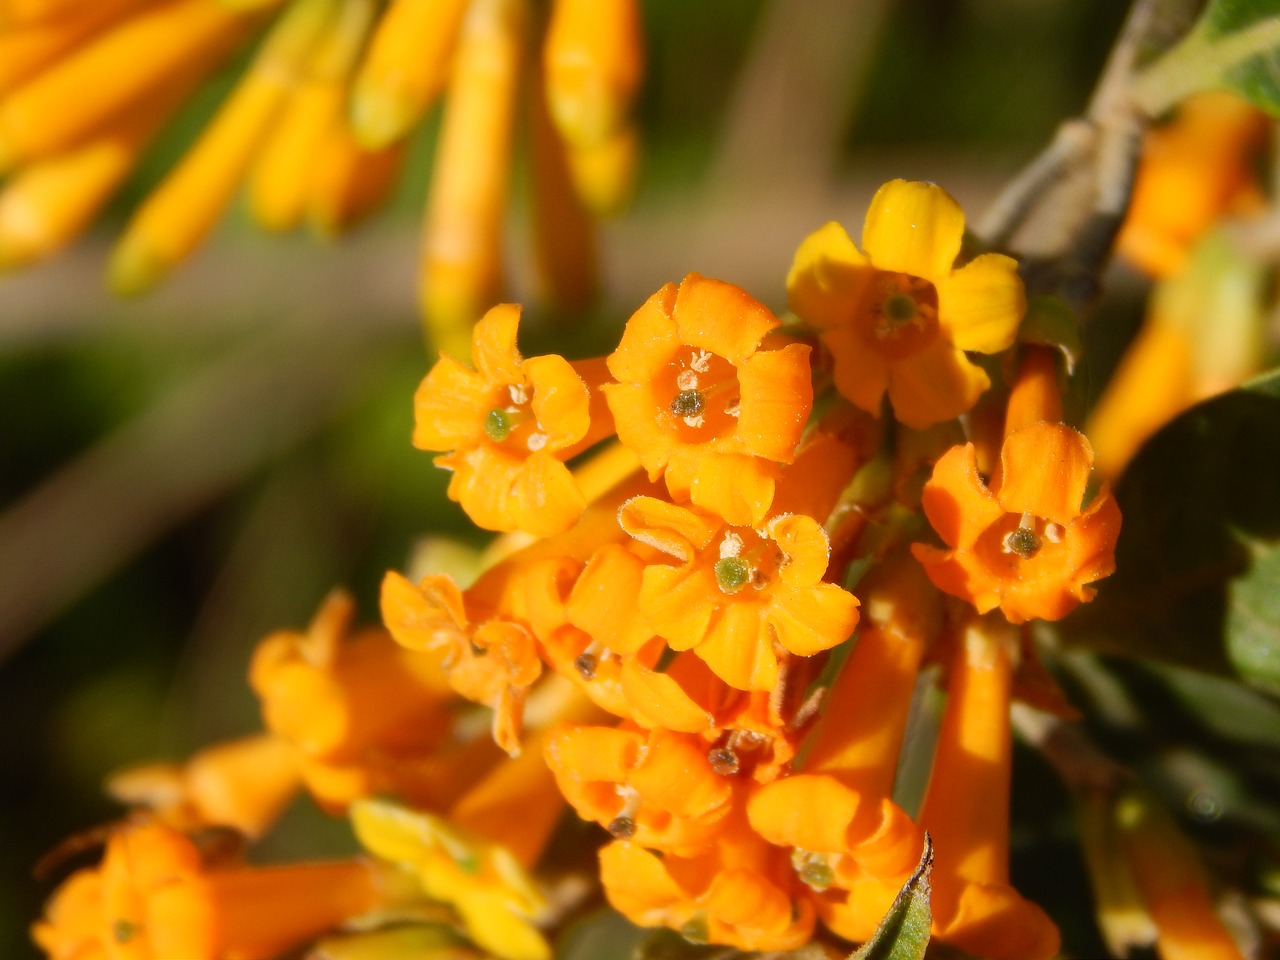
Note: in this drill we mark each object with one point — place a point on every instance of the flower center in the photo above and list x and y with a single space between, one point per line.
1019 538
746 559
704 395
899 314
512 425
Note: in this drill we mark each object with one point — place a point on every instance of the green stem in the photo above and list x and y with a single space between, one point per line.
1198 63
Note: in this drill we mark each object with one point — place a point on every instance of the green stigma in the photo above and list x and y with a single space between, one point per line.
1023 542
817 874
497 425
732 574
900 308
124 930
688 403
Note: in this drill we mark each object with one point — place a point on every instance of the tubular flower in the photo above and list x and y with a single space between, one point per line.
702 404
739 595
316 125
658 789
507 425
737 892
897 315
152 896
1026 543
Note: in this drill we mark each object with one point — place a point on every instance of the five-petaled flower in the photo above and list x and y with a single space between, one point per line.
1026 543
739 594
702 404
899 317
507 426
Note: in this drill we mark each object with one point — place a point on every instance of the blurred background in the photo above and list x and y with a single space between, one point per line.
183 473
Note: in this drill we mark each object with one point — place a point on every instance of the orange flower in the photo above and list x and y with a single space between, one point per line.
153 897
507 425
244 784
738 892
658 789
702 404
334 692
1025 544
494 662
898 317
739 593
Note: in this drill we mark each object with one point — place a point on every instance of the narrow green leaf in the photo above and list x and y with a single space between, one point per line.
603 935
903 934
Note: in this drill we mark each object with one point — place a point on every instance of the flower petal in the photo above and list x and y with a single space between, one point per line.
661 701
913 227
777 395
493 344
806 811
827 278
738 650
647 341
721 317
634 418
936 384
981 304
1044 469
812 619
545 499
561 402
450 405
861 375
735 486
602 602
680 602
805 545
956 501
676 531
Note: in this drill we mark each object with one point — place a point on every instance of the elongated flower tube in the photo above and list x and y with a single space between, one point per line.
593 60
153 896
507 427
1025 544
898 315
966 810
702 404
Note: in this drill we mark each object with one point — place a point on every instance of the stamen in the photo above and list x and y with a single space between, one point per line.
687 380
688 403
1054 532
623 826
519 394
731 545
732 574
536 441
701 361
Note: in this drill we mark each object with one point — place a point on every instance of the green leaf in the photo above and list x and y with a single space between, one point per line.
903 934
1197 562
1235 44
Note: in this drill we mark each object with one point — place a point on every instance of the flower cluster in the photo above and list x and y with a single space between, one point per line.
666 639
317 124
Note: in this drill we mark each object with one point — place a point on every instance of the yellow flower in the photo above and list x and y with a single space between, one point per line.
702 404
490 889
898 317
